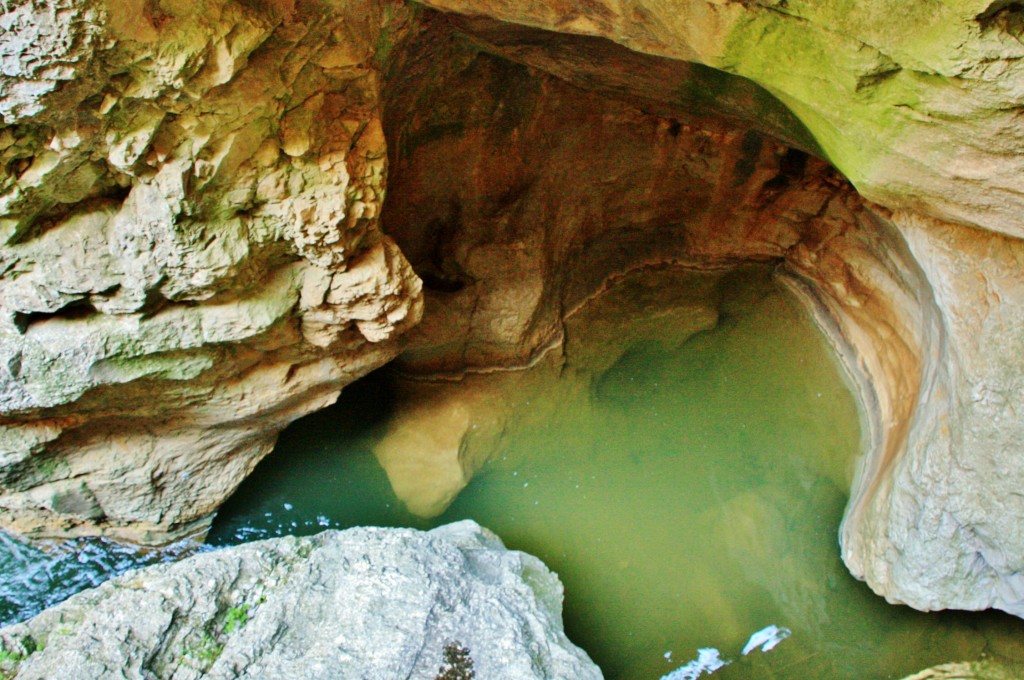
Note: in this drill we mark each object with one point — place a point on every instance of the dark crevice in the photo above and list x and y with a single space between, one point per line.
79 309
154 302
1004 17
792 166
1000 9
877 78
439 283
51 215
438 267
16 167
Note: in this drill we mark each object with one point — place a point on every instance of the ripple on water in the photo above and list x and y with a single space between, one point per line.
43 573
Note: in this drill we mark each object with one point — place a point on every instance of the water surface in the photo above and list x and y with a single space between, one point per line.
40 574
683 465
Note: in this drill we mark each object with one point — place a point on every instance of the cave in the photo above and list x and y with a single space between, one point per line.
202 251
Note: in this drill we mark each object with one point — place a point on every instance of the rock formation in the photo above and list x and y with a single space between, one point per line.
193 254
927 332
917 104
363 603
979 670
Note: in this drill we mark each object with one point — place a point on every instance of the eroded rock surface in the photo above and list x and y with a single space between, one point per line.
191 258
363 603
977 670
916 103
941 524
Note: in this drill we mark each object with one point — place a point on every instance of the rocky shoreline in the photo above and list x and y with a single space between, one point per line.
363 603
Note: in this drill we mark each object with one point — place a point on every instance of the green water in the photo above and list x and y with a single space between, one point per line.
683 465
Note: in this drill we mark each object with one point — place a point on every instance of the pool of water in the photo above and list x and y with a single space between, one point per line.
683 465
682 462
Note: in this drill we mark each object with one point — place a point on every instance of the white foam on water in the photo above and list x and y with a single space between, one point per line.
708 661
766 639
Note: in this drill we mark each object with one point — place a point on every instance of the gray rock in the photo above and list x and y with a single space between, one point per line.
362 603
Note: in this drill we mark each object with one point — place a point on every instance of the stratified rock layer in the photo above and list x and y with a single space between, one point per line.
363 603
190 255
917 103
939 525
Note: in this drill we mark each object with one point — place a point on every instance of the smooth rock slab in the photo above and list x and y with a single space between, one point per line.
363 603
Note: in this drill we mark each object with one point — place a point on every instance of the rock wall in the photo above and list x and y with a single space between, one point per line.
191 256
940 527
915 103
515 194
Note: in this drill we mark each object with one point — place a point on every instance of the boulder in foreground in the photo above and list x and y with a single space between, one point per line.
362 603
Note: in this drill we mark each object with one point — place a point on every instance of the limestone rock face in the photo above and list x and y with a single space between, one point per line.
363 603
942 525
190 255
191 251
915 103
978 670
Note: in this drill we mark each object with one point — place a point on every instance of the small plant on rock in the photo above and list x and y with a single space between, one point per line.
236 618
458 665
10 659
9 663
201 655
204 653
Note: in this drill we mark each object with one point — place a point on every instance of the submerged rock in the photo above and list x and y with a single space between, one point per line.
363 603
976 670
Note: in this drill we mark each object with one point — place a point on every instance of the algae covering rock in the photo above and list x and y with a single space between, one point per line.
189 251
362 603
915 102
